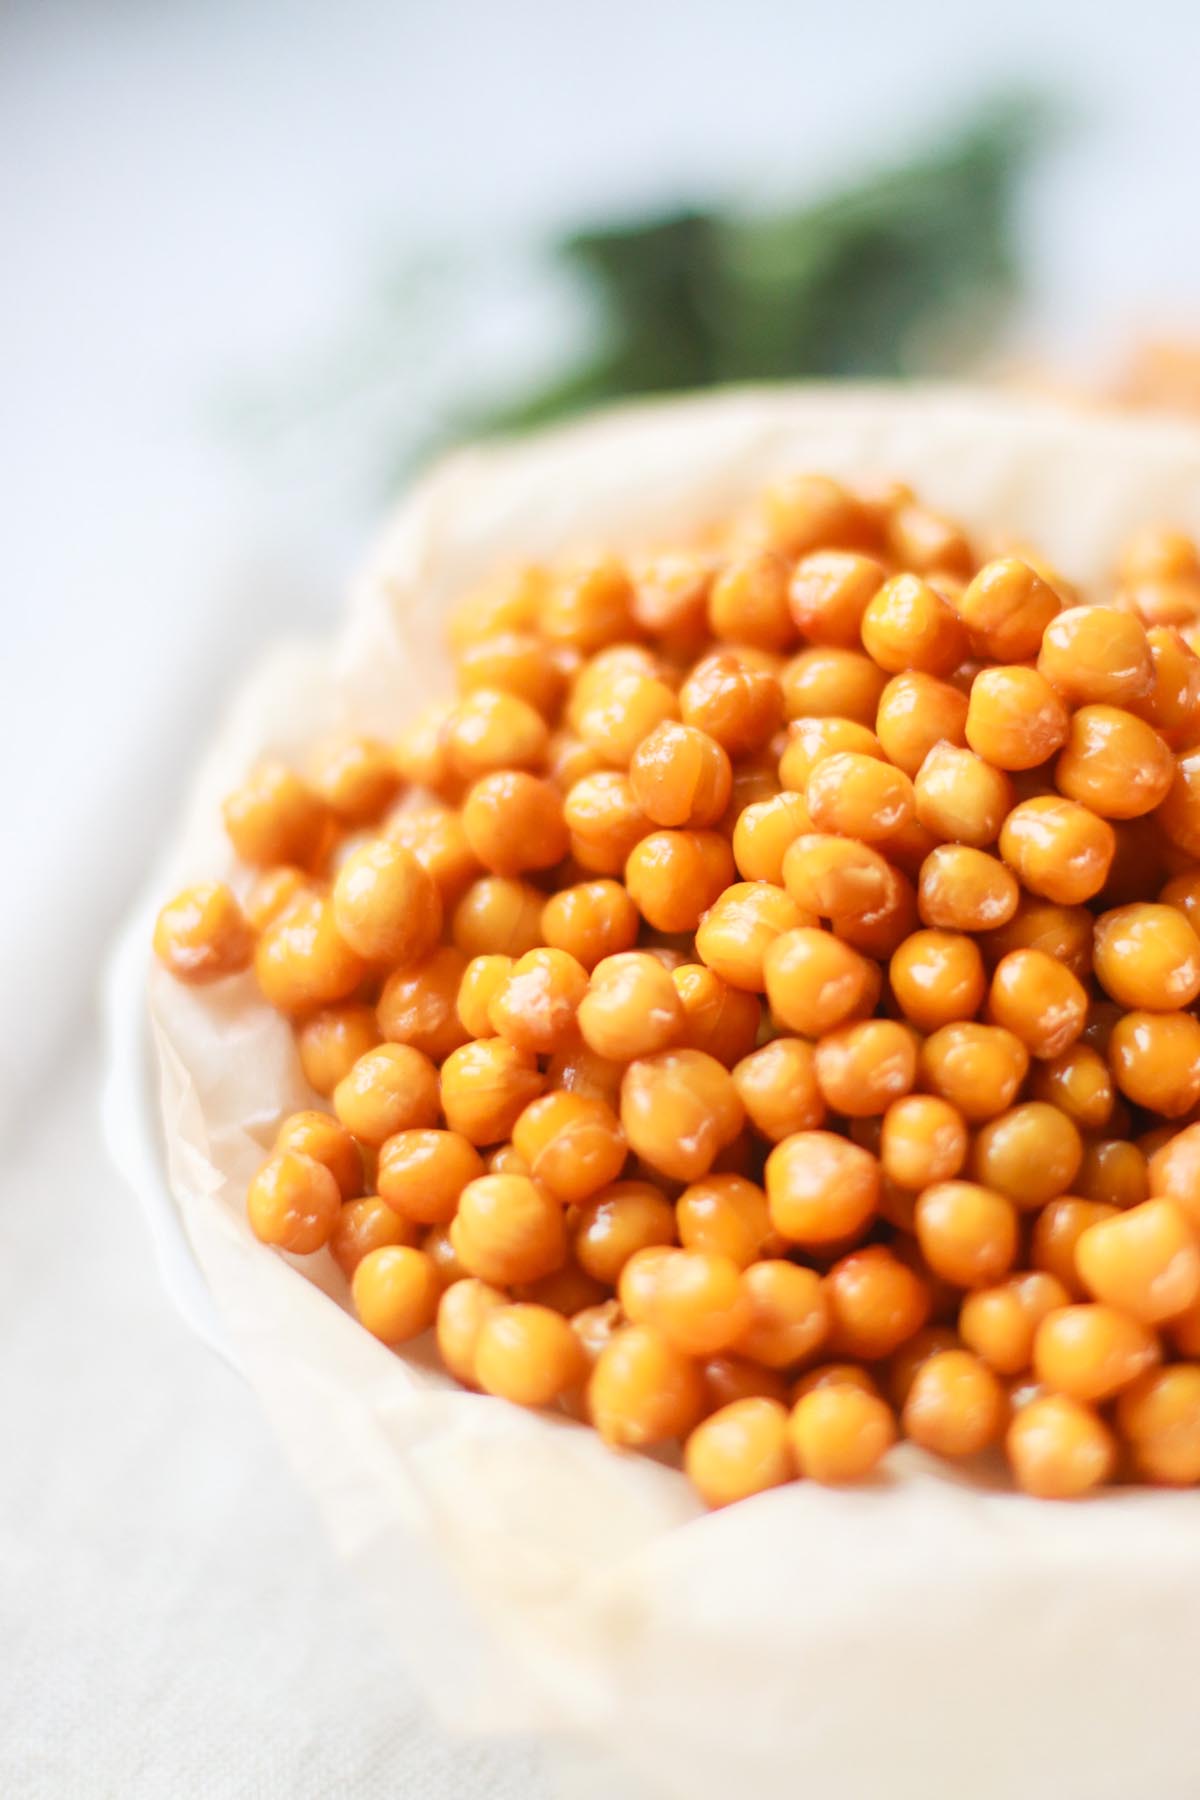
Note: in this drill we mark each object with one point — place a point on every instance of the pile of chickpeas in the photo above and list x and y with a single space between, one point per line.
759 1010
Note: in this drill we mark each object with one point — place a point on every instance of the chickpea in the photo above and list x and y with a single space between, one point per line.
331 1041
615 712
967 1233
1155 1059
670 599
567 1290
365 1225
839 1433
1058 848
999 1323
728 1215
482 980
1172 704
513 662
391 1088
513 821
810 742
880 930
835 877
789 1313
1090 1352
436 838
1039 1001
422 1173
201 935
821 1189
862 1068
830 591
876 1303
748 602
742 927
1056 1233
1015 719
1032 1153
441 1252
777 1085
1159 1416
833 1374
293 1203
1063 932
961 798
810 512
275 817
632 1007
961 889
1147 957
270 895
486 1086
355 777
527 1354
1145 1261
591 921
917 713
955 1405
815 983
740 1450
697 1301
923 1141
618 1222
719 1019
1093 654
508 1229
755 779
535 1005
730 1378
1179 813
1174 1171
419 1004
673 877
1079 1083
908 625
510 604
302 961
729 699
490 730
913 1354
859 796
678 1109
681 776
587 604
316 1135
1006 608
977 1068
829 682
643 1390
396 1291
387 908
1059 1449
570 1144
1183 893
937 978
498 916
462 1309
1114 763
422 756
569 759
764 832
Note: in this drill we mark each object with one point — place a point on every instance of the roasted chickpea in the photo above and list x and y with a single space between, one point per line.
631 1008
513 821
331 1041
1159 1416
732 701
839 1433
396 1291
1090 1352
977 1068
294 1203
419 1004
510 604
861 1068
365 1225
741 927
1063 932
1145 1261
829 682
1006 608
275 817
421 754
717 1018
923 1140
201 935
673 877
513 662
678 1109
789 1317
876 1303
821 1189
1147 957
901 1367
587 604
1059 1449
301 959
1155 1058
462 1309
916 714
740 1450
436 838
590 921
391 1088
670 598
482 980
859 796
527 1354
908 625
422 1173
937 978
486 1086
1038 1000
270 895
498 916
808 512
763 833
1015 719
386 906
730 1378
696 1299
962 889
961 798
1056 1232
880 930
489 730
536 1004
1079 1083
1094 654
1183 893
1114 763
835 877
508 1229
777 1085
815 983
955 1405
810 741
616 1223
830 591
1172 703
570 1143
1032 1153
728 1215
643 1390
748 602
1179 813
1174 1170
967 1233
999 1323
355 777
1058 848
681 776
326 1141
618 709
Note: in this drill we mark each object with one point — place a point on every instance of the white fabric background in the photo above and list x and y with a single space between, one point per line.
194 194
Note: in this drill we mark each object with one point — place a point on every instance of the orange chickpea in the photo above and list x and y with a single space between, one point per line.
527 1354
961 798
977 1068
697 1301
1155 1059
876 1303
270 895
1145 1261
1006 608
923 1140
387 908
326 1141
421 755
1063 932
829 682
1114 763
1038 1000
201 935
740 1450
880 930
510 604
331 1041
1079 1083
498 916
513 662
748 602
908 625
536 1004
587 604
999 1323
618 1222
275 817
436 838
742 927
1147 957
1174 1170
614 708
391 1088
789 1316
441 1252
508 1229
355 777
1090 1352
859 796
902 1365
835 877
513 821
815 983
396 1291
1157 553
301 959
962 889
365 1225
462 1309
590 921
763 833
1015 719
821 1188
1094 654
1032 1153
1179 813
1058 848
489 730
728 1215
840 1434
571 1144
1183 893
486 1086
670 598
808 512
1056 1233
294 1203
681 776
717 1018
777 1085
955 1406
632 1007
419 1004
730 1378
1159 1417
967 1233
917 713
422 1173
833 1374
673 877
862 1068
482 979
678 1109
1172 704
605 822
643 1390
830 591
810 741
729 699
937 978
1059 1449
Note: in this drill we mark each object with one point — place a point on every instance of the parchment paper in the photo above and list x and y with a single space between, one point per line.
925 1636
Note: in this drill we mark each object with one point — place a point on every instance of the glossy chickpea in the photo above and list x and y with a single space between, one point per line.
419 1004
301 959
396 1291
1158 553
777 1085
271 893
421 754
999 1323
441 1252
733 702
1172 703
923 1140
513 662
860 797
876 1303
364 1225
1056 1233
631 1008
615 1224
880 930
955 1405
730 1378
937 978
977 1068
536 1004
422 1172
901 1367
570 1144
1059 1449
1032 1153
1174 1170
917 713
755 779
355 777
331 1041
643 1390
569 759
567 1290
590 921
462 1309
789 1313
815 983
810 741
1039 1001
833 1374
293 1203
1090 1352
387 907
840 1434
508 1229
436 838
1015 719
201 935
697 1301
1094 654
605 822
921 539
498 916
527 1354
764 831
482 979
678 1109
489 730
830 591
728 1215
1159 1417
389 1089
1147 957
1062 932
681 776
622 711
1058 848
908 625
1079 1083
1179 813
809 512
1144 1261
326 1141
1006 608
1114 763
673 877
749 603
1183 893
509 604
719 1019
821 1189
587 604
670 598
960 797
829 682
1155 1060
835 877
967 1233
963 889
740 1450
275 817
741 927
861 1068
513 821
486 1086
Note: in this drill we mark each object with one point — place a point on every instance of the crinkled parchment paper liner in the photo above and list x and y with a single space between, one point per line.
926 1636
